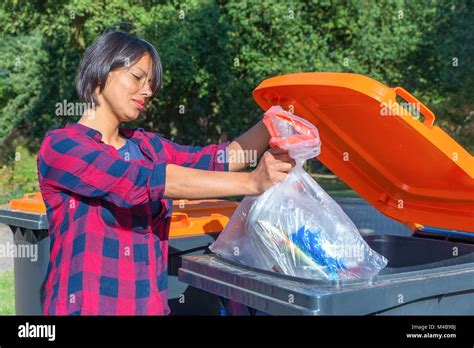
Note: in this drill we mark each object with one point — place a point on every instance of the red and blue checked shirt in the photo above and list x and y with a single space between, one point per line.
108 221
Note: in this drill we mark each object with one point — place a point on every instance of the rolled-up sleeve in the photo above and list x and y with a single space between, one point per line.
211 157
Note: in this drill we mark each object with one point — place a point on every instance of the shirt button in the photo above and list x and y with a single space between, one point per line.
147 236
147 263
147 289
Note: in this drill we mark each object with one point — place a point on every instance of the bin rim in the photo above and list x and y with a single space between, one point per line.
404 272
189 218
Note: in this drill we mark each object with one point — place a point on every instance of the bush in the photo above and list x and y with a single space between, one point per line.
20 177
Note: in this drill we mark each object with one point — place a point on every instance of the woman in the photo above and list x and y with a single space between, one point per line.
109 190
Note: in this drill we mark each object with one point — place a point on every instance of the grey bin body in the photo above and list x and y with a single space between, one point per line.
182 298
32 229
28 229
423 277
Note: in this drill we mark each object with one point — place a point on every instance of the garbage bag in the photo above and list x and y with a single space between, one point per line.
295 227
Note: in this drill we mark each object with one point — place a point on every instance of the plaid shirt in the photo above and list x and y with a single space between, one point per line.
108 221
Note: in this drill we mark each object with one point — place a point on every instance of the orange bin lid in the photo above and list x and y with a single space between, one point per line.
196 217
189 217
411 171
30 202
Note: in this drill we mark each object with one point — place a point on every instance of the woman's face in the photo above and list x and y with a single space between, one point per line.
128 89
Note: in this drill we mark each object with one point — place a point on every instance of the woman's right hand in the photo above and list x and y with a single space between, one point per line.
273 168
190 183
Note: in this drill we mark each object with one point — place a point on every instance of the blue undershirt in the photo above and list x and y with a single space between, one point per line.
131 151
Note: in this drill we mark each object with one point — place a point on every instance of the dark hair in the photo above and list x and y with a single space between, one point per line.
111 51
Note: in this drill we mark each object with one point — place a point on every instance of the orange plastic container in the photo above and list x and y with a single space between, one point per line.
410 170
189 217
30 202
196 217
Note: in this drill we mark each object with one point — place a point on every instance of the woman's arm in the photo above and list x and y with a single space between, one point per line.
77 165
248 147
183 182
190 183
239 154
210 157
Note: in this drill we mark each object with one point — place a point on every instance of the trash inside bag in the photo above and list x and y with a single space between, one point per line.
295 227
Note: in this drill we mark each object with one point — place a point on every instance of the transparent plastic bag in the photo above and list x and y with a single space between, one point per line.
295 227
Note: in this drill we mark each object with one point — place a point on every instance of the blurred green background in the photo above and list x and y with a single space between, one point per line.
214 53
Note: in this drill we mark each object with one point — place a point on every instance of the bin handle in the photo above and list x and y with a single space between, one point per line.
427 113
32 195
181 219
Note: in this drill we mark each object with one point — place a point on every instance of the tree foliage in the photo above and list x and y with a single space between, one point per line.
214 53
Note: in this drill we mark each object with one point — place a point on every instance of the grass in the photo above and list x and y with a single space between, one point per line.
7 293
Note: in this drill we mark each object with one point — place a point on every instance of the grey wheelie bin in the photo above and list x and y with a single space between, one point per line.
422 278
403 165
30 237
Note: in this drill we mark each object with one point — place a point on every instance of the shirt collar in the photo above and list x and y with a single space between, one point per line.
135 133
